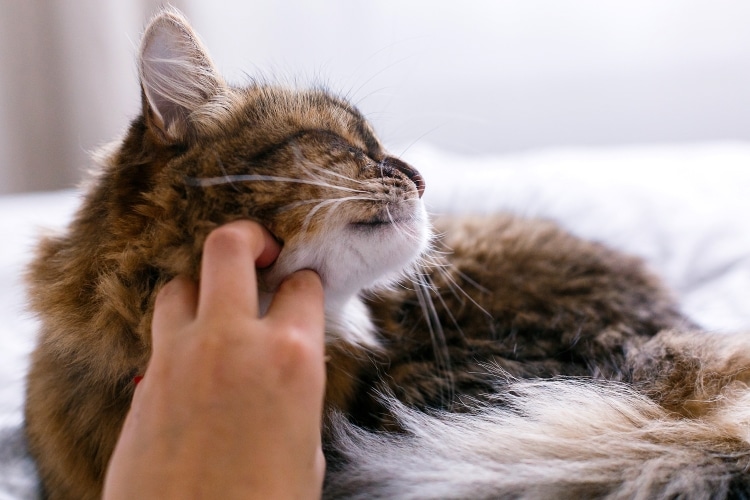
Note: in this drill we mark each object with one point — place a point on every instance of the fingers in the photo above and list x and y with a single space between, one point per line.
228 278
299 303
174 308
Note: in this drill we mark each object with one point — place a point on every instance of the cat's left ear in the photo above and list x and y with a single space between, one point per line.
182 91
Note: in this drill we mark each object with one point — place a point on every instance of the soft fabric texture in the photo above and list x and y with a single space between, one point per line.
682 208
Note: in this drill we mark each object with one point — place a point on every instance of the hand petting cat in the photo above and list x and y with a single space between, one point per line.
230 405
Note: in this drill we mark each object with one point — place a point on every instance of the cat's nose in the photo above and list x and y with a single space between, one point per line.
410 172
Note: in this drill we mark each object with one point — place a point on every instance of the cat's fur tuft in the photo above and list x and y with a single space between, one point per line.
563 438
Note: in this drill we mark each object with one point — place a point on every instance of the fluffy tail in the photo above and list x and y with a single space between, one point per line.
565 438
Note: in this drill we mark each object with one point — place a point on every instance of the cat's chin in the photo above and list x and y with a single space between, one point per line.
357 255
382 225
374 225
383 220
405 216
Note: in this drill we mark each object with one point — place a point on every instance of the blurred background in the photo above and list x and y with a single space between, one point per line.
474 77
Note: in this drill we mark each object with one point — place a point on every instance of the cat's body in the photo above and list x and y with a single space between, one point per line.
516 299
518 294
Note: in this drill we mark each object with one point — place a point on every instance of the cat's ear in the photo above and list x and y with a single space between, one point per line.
181 87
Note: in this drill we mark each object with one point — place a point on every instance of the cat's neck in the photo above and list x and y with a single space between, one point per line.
350 321
347 320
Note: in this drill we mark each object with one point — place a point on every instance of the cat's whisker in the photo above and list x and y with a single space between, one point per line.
424 288
334 206
441 254
437 336
297 204
304 163
472 282
308 218
457 292
382 173
411 233
454 288
419 138
326 202
445 306
292 206
390 216
330 172
307 165
386 68
451 282
432 261
224 172
448 251
216 181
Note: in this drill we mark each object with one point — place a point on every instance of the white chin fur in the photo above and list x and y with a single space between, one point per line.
350 259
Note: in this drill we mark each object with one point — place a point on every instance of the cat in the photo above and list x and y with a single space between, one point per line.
524 362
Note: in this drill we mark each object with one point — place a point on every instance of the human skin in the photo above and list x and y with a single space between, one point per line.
230 404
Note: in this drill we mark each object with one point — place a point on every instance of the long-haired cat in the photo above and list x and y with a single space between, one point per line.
523 363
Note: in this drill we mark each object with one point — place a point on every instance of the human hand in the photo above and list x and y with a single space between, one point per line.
230 404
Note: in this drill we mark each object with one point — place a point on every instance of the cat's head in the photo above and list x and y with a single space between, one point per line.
305 164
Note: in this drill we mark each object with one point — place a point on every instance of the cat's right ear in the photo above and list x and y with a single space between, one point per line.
182 91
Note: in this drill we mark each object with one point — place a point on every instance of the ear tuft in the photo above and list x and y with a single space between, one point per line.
177 76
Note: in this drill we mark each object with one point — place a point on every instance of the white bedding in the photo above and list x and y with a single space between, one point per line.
682 208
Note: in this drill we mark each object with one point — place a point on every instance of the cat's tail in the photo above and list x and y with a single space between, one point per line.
564 438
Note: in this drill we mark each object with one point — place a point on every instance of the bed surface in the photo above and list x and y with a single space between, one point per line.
684 209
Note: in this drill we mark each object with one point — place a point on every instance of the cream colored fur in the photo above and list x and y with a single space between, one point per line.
562 438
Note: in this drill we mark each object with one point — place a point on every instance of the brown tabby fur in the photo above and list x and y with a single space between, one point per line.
520 296
534 301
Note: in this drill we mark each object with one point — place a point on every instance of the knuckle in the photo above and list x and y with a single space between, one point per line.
294 349
228 236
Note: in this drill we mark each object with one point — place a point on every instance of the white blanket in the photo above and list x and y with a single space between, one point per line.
682 208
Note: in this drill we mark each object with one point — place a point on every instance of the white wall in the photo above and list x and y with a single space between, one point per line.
67 84
472 76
